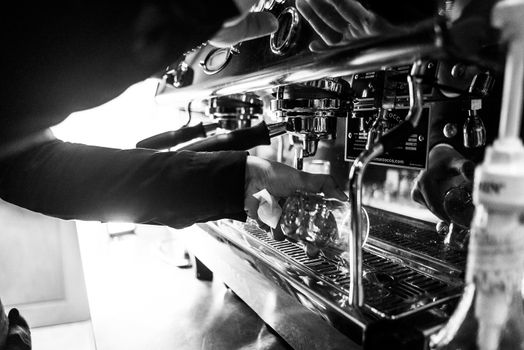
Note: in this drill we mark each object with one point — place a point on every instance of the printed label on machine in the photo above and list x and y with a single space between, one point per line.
411 154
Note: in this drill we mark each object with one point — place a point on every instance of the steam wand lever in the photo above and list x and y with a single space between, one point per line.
395 136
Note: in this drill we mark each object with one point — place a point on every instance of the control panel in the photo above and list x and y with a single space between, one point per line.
381 102
412 154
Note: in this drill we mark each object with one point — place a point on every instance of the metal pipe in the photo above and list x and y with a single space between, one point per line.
356 175
416 96
511 110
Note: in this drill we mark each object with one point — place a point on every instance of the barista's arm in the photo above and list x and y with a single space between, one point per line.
75 181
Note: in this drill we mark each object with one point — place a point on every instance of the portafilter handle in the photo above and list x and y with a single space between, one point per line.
238 140
172 138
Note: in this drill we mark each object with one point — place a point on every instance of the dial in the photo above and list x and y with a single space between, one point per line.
216 60
287 34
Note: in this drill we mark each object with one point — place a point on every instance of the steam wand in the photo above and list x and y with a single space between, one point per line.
395 136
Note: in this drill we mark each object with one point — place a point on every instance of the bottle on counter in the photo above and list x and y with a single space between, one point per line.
490 315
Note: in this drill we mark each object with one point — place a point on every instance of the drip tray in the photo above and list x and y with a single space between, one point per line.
413 237
392 289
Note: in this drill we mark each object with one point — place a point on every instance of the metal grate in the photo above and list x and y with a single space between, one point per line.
413 236
391 290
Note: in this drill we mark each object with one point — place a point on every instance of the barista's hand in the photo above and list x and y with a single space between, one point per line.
281 181
249 25
449 173
338 22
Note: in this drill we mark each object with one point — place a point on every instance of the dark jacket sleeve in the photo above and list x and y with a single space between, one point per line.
75 181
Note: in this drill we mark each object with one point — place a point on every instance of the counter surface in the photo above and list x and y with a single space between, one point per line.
140 300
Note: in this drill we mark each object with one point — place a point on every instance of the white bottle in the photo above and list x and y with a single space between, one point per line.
490 315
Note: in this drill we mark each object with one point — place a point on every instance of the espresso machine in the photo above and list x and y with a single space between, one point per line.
374 104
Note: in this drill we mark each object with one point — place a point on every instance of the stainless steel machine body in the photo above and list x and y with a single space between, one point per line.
336 104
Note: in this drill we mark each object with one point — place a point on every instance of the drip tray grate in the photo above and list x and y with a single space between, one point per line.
413 236
391 289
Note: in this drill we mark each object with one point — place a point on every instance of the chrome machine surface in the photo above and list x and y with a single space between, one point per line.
372 101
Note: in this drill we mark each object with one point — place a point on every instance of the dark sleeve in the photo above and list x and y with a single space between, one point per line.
75 181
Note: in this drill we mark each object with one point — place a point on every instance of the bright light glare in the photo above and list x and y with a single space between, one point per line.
120 227
122 122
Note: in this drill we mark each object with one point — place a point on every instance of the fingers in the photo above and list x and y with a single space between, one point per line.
354 14
326 32
253 25
427 193
460 166
416 195
323 183
436 207
341 21
468 170
337 20
259 24
251 206
327 13
281 181
419 196
318 46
